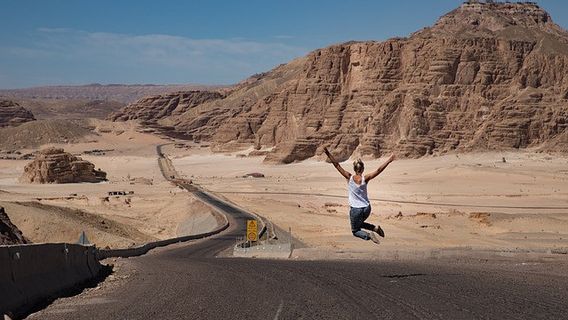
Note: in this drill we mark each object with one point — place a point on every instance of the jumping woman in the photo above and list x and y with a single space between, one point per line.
360 207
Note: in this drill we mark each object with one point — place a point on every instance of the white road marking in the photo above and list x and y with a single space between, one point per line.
279 310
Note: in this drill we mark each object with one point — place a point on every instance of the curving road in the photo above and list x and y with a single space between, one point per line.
197 281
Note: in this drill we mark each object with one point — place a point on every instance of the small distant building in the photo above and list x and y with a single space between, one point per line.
117 193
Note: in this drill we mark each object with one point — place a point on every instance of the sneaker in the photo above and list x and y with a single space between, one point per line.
374 238
380 231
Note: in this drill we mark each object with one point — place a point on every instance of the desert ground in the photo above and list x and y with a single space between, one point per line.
59 212
427 207
513 202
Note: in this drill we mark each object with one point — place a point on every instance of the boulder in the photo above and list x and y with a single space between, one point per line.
54 165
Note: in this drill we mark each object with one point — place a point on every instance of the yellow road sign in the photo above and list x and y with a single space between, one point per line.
252 230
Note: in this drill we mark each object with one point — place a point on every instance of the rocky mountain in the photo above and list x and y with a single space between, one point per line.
9 233
53 165
484 76
12 114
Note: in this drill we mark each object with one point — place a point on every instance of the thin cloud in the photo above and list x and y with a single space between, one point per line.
283 36
54 30
160 48
214 60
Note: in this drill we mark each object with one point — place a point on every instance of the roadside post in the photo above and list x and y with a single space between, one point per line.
252 231
83 240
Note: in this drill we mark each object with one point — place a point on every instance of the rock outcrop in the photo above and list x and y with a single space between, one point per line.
9 233
12 114
54 165
485 76
154 108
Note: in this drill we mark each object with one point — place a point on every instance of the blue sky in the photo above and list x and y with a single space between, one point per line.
210 42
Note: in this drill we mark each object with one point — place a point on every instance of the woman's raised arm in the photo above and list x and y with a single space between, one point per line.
339 168
375 173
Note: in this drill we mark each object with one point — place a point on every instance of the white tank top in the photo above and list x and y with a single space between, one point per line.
358 193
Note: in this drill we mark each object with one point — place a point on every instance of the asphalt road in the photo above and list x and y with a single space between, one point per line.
189 282
195 281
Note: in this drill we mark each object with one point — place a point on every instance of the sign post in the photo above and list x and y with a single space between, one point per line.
252 230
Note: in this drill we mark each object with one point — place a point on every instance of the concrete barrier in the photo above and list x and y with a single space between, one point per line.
10 294
32 273
263 250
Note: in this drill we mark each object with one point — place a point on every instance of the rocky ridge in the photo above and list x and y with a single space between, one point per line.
54 165
70 108
154 108
12 114
122 93
9 233
34 134
485 76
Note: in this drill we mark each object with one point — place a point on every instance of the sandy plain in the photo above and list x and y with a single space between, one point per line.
427 207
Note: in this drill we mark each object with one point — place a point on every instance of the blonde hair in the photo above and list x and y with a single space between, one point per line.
358 166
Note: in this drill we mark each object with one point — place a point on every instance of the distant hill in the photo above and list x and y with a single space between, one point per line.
33 134
70 108
112 92
87 101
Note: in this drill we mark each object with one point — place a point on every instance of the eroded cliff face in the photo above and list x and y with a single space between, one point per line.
485 76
